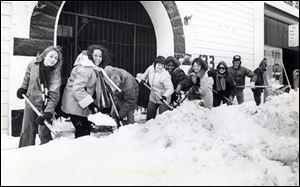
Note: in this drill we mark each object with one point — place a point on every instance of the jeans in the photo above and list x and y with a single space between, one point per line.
239 93
152 109
30 128
257 96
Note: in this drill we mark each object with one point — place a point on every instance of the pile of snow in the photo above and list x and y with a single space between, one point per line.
280 114
227 145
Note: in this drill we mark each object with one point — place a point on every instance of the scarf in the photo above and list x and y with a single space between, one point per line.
220 82
45 74
102 98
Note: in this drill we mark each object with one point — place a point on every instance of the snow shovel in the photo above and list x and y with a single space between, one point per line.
178 103
54 132
165 102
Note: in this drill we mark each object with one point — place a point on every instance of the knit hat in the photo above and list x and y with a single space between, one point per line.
236 58
263 64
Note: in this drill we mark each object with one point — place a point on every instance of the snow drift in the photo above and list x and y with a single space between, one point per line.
227 145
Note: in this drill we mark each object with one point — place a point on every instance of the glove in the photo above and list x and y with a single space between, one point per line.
47 116
178 89
119 119
252 84
20 92
93 107
178 97
163 99
143 81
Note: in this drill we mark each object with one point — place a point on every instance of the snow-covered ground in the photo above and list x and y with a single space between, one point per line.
228 145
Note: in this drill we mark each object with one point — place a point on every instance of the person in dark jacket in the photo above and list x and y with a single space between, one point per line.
179 79
239 74
223 84
41 86
260 81
125 100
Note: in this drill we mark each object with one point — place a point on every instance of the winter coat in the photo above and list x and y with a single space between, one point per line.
203 87
160 82
126 100
205 90
193 92
230 87
80 87
32 84
240 74
261 80
179 77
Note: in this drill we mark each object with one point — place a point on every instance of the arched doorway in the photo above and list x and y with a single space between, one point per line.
123 27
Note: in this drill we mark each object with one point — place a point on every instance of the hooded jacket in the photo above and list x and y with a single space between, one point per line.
261 80
80 87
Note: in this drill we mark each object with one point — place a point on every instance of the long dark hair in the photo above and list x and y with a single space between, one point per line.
42 56
106 59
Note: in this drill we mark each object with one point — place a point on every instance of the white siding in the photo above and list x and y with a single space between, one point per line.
6 48
224 29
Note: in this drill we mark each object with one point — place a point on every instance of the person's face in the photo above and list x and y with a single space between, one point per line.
97 56
236 64
196 67
116 79
51 58
221 69
159 67
170 67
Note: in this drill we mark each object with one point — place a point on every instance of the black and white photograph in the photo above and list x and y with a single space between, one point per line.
149 93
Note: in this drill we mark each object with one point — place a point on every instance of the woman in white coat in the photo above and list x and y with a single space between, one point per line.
161 83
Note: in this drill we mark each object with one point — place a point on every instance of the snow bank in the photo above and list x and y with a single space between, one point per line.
280 114
235 145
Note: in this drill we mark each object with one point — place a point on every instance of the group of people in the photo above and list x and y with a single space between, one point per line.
96 86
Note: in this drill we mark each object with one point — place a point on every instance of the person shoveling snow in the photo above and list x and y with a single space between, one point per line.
87 89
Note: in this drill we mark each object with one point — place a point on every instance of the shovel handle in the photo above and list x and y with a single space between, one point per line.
115 108
40 114
253 86
165 102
